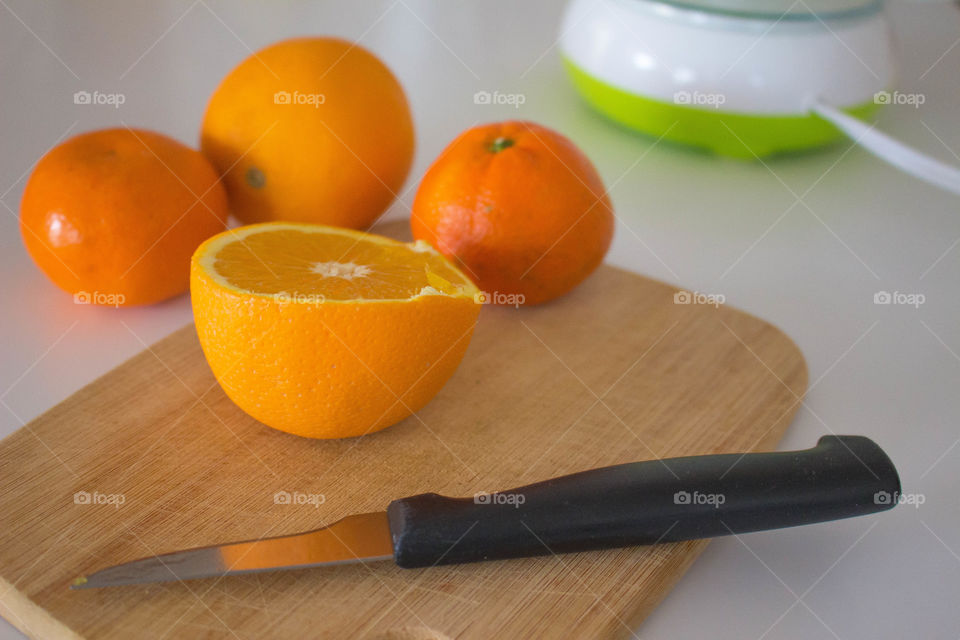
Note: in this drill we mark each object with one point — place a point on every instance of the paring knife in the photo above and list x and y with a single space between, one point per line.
639 503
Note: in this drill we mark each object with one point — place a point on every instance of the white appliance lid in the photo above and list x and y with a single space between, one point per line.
782 8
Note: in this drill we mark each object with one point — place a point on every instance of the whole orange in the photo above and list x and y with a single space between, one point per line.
519 207
114 215
310 130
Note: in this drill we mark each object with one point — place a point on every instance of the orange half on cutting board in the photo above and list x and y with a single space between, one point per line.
327 332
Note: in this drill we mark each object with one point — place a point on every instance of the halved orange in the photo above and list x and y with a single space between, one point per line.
327 332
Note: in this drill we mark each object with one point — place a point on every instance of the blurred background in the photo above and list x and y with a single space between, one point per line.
806 241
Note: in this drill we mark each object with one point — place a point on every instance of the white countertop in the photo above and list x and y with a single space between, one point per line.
811 267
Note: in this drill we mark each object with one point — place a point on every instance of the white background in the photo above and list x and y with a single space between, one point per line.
803 242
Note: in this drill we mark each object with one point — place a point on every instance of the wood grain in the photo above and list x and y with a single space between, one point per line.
614 372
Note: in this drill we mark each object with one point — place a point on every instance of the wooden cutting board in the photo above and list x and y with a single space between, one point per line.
614 372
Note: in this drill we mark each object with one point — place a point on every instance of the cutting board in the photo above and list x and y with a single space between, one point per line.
153 457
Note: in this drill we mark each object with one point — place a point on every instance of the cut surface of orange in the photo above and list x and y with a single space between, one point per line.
327 332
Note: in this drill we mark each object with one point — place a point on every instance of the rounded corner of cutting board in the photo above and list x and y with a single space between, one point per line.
788 344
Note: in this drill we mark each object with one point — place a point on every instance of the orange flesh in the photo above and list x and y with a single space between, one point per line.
336 267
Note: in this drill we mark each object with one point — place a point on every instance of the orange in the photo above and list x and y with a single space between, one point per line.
519 207
113 216
326 332
310 130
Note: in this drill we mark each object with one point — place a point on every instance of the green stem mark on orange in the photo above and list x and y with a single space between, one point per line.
255 178
500 144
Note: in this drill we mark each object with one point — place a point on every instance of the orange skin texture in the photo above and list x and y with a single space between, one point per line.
329 370
120 212
339 162
532 218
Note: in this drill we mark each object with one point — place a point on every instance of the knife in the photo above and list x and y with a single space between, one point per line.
654 501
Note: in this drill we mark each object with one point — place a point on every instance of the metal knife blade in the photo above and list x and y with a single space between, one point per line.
358 538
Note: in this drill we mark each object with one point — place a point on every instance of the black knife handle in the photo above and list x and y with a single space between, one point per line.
648 502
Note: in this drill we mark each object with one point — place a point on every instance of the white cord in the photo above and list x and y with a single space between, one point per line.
886 148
